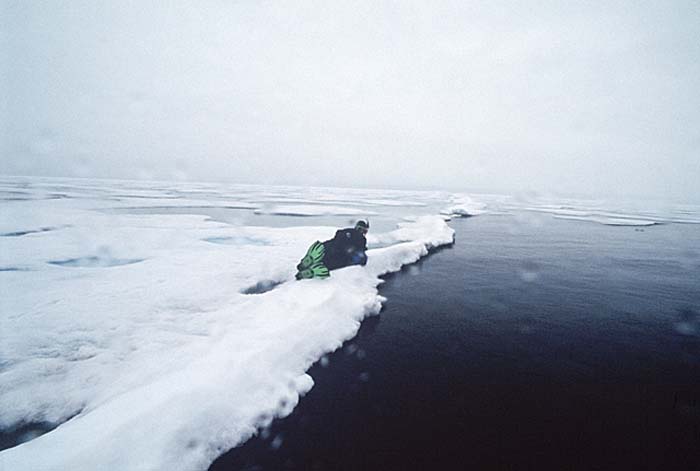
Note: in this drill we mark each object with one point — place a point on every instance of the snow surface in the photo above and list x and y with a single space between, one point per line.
131 330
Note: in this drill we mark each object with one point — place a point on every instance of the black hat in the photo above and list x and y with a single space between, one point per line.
361 224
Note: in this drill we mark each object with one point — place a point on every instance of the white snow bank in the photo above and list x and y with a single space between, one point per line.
413 230
166 364
463 205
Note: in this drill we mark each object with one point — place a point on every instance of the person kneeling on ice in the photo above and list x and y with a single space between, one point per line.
347 248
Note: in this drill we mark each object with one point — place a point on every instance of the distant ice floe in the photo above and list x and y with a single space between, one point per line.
600 217
611 221
171 361
612 213
462 205
314 210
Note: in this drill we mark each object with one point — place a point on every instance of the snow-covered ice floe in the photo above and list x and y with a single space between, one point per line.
462 205
134 332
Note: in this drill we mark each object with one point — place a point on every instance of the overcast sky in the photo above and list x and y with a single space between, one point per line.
593 97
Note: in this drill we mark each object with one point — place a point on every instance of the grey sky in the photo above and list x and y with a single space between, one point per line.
594 97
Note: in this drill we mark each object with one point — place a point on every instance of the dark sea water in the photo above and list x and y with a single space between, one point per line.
530 344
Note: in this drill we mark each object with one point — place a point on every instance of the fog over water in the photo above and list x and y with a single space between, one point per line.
599 98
